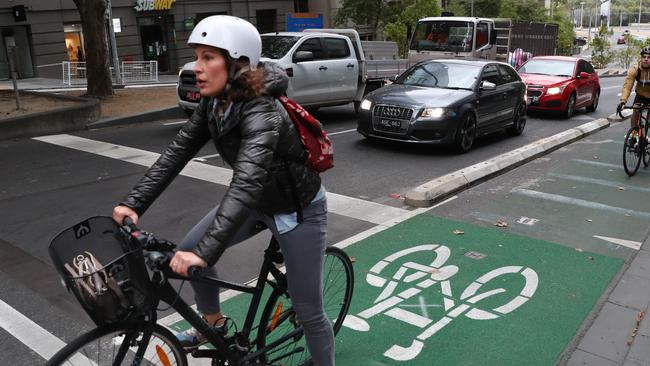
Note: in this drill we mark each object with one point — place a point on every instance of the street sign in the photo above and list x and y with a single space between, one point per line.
296 22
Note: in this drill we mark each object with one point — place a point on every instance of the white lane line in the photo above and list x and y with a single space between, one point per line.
206 157
611 87
636 245
598 163
174 123
342 132
578 202
31 334
338 204
600 182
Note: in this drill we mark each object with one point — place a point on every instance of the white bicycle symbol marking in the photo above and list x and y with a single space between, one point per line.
427 276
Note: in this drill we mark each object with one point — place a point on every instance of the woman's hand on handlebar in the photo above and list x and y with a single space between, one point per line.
120 212
184 260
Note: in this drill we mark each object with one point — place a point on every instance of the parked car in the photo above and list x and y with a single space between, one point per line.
560 84
620 39
326 67
446 101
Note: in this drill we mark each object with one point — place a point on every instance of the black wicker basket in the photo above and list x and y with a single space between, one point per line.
104 269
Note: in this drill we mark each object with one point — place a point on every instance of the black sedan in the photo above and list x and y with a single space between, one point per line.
446 102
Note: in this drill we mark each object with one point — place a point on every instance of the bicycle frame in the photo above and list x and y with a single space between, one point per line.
169 295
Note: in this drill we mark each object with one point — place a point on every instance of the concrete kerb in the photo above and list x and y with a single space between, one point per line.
435 190
150 116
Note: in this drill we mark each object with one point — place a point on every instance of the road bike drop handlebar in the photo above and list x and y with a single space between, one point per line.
634 107
160 251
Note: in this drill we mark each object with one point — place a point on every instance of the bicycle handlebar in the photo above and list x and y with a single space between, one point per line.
639 107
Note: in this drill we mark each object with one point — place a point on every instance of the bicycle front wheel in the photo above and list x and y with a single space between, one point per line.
117 345
632 152
279 319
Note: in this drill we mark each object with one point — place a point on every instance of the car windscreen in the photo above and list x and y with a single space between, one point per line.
548 67
276 47
441 75
443 36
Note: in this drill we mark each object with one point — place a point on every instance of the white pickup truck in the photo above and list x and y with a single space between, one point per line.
326 67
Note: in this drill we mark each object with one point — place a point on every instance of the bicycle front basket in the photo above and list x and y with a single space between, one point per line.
104 269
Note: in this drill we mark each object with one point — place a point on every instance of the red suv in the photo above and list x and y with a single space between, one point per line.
560 84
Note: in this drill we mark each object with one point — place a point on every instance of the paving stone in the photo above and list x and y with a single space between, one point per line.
632 291
608 335
582 358
639 354
640 265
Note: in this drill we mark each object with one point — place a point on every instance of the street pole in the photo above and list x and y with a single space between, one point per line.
11 48
640 1
609 11
582 9
116 60
472 9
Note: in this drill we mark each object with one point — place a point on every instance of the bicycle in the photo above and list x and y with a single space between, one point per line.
127 331
636 147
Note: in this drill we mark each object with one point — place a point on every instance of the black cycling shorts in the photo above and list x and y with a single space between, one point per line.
639 99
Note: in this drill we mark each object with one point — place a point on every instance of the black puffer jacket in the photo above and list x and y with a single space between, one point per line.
257 140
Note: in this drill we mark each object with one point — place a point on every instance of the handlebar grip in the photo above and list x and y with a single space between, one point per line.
127 221
194 271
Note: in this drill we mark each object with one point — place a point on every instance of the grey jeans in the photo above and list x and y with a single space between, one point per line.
303 249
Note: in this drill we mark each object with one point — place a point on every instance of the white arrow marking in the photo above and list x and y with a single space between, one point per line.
636 245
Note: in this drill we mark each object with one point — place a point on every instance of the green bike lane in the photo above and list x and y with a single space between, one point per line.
451 287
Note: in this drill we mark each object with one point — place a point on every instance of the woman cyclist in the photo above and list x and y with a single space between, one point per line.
641 74
271 185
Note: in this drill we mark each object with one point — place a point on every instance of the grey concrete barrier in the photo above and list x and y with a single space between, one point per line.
150 116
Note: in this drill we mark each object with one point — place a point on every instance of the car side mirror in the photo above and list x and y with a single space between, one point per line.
486 85
583 75
302 56
393 78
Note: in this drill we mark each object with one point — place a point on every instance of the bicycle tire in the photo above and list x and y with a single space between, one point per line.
337 296
632 153
92 345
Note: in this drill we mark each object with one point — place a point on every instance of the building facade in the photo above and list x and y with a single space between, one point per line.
45 33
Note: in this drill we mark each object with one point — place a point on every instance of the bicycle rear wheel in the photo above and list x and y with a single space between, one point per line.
101 346
278 318
632 152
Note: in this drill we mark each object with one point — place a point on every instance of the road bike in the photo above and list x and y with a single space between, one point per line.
120 275
636 146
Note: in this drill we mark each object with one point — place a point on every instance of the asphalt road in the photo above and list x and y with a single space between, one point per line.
47 187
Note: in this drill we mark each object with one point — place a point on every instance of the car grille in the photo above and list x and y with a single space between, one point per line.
389 118
188 78
534 93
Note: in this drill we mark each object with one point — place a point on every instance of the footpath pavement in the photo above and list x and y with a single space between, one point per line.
615 332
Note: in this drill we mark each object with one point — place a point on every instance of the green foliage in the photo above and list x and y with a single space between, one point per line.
523 10
396 31
627 55
601 53
374 13
565 35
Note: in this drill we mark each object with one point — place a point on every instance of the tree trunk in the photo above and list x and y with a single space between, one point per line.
98 72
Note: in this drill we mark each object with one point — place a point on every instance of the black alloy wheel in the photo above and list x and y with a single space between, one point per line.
518 121
466 134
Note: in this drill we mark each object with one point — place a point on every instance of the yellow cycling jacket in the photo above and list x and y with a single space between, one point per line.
642 77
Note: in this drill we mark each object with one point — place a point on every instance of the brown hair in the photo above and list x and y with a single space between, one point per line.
247 86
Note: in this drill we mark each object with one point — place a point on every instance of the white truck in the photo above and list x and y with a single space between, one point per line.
326 67
493 39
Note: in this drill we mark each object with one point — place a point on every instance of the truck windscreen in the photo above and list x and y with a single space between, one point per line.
455 36
275 47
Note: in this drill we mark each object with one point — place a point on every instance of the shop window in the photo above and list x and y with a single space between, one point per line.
74 42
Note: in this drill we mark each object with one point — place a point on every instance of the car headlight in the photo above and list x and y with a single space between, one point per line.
555 90
436 113
366 104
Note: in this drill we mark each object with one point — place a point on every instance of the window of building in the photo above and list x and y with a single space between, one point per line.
74 42
300 6
266 20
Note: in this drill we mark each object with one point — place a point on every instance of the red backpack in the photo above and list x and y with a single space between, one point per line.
319 148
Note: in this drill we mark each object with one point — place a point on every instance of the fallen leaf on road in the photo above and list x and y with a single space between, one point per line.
621 188
590 220
353 259
639 317
595 157
578 250
458 232
590 258
501 223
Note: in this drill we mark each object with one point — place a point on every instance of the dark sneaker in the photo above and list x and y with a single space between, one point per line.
191 339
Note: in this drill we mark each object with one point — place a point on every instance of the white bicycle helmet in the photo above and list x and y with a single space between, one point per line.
234 35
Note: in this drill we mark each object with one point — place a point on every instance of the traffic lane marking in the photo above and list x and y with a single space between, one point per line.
339 204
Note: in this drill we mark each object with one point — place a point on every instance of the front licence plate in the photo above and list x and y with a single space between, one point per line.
192 96
391 123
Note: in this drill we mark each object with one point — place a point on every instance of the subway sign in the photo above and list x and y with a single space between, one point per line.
150 5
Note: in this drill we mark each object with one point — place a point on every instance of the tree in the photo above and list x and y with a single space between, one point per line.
397 30
628 54
93 17
601 54
523 10
374 13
